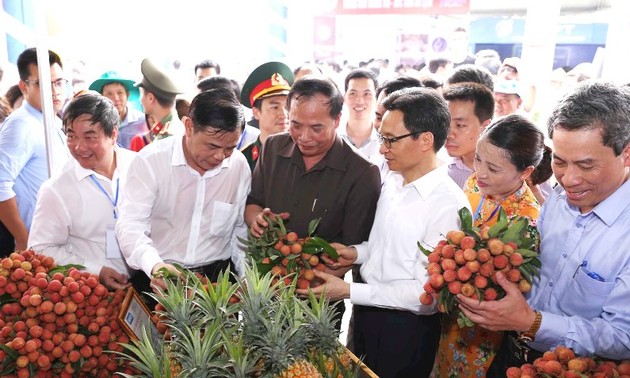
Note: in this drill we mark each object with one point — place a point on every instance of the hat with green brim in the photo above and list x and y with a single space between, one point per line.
111 77
157 81
269 79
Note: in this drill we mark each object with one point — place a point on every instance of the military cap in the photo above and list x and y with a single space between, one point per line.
269 79
157 81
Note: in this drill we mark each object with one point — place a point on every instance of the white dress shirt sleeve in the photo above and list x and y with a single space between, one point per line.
50 230
133 227
240 229
362 252
404 293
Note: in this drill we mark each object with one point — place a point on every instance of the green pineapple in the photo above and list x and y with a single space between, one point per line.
268 332
150 360
217 301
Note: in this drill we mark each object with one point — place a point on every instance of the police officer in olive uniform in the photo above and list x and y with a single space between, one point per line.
265 92
157 95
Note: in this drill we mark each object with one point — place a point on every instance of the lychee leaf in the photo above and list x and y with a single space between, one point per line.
65 268
465 216
526 273
479 294
514 231
526 252
500 226
12 354
424 251
306 264
311 249
472 233
536 262
6 298
526 243
460 323
327 248
312 226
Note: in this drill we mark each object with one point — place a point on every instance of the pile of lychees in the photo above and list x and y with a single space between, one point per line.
562 362
287 255
467 260
56 321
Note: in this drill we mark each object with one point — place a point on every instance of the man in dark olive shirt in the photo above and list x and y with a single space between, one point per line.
312 173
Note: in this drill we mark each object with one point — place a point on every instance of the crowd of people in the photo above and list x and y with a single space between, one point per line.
384 164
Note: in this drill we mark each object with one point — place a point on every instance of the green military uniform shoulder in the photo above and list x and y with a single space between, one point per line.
252 152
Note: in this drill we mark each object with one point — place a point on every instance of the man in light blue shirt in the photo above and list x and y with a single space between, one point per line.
23 160
581 298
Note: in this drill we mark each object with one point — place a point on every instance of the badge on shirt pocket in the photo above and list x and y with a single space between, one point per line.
111 243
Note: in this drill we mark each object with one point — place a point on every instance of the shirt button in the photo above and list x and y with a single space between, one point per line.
564 255
579 225
550 284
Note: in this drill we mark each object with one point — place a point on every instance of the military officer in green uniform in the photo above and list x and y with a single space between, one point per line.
157 95
265 92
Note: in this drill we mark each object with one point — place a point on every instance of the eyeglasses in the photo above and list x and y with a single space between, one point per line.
388 141
58 84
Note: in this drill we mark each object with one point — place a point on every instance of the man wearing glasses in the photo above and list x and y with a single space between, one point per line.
396 334
23 160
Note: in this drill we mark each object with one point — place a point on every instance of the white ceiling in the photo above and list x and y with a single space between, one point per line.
519 7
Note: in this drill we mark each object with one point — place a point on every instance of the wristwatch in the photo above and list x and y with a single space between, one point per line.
529 335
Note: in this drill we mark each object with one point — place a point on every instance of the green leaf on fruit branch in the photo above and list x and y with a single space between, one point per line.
327 248
65 268
424 251
465 216
500 225
312 226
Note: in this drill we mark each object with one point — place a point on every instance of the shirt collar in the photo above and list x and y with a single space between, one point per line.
459 164
426 184
31 109
179 158
334 158
342 130
614 205
82 173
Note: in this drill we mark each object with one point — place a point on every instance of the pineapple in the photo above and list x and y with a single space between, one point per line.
268 332
301 369
215 301
320 324
149 359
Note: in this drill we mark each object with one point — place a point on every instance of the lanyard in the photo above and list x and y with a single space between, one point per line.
240 142
478 211
113 201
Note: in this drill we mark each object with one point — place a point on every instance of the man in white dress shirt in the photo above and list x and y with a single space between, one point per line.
76 211
419 202
185 195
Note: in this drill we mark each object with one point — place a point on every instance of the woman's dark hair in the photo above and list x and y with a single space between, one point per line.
13 94
522 141
543 171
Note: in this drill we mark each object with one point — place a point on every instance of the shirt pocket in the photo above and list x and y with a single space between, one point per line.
223 219
585 295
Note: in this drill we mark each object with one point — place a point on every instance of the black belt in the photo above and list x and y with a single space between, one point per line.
213 269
